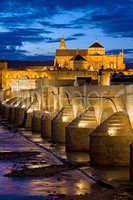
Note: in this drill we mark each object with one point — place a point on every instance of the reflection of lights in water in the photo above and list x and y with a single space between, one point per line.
37 139
63 190
78 156
82 187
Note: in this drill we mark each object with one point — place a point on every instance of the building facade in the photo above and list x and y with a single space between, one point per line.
93 62
3 66
93 58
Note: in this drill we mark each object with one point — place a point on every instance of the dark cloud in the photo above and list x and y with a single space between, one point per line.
78 35
16 37
8 53
23 19
20 54
57 26
55 40
114 19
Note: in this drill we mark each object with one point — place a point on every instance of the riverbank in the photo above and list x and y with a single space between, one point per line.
80 183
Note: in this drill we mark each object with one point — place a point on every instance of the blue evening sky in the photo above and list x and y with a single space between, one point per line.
31 29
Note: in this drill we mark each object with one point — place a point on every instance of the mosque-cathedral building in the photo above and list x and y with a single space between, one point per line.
69 64
92 58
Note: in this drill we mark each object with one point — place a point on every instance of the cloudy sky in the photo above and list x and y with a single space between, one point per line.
31 29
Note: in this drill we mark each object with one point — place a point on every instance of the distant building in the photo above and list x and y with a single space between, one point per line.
92 58
69 64
120 78
3 66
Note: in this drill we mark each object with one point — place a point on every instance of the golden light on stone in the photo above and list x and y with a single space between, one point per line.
111 132
23 106
88 59
65 118
34 108
82 124
75 111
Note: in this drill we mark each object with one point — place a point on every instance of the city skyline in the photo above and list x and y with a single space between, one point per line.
31 30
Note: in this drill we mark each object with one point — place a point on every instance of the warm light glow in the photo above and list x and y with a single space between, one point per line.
96 54
82 124
75 110
23 84
23 106
47 112
32 109
112 131
65 118
82 187
17 104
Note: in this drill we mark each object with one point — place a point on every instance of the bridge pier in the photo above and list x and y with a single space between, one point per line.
77 132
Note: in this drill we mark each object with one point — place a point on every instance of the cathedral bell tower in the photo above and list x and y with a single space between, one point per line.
122 53
62 43
60 61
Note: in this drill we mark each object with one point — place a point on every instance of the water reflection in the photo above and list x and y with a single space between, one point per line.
82 187
69 183
79 157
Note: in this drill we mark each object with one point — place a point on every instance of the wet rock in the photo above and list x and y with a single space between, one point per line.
4 155
44 170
